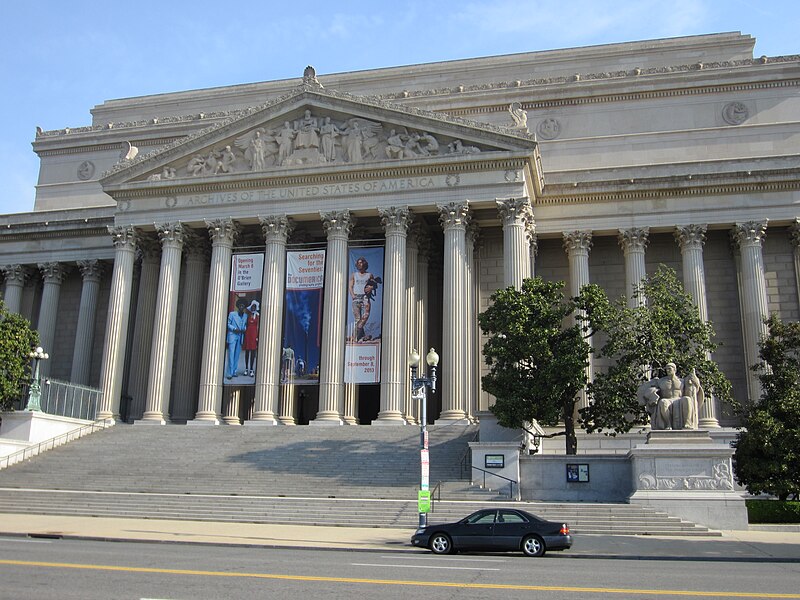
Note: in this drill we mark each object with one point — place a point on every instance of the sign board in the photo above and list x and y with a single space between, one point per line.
425 463
424 501
494 461
577 473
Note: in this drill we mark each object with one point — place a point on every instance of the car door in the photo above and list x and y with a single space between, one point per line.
509 529
475 532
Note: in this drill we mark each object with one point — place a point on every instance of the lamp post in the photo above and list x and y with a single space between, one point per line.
34 391
419 387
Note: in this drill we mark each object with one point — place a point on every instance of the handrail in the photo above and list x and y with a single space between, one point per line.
436 495
65 399
59 440
510 481
463 462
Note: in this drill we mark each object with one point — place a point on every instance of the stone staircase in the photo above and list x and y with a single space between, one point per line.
347 476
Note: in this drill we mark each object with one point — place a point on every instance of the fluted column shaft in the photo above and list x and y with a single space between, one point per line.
471 362
395 222
331 373
749 236
633 242
187 351
287 409
142 343
92 273
53 275
794 236
209 404
454 218
515 215
577 245
691 239
277 229
15 276
422 304
158 383
350 411
412 289
119 306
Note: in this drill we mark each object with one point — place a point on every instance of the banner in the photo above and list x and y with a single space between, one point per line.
302 318
363 334
244 316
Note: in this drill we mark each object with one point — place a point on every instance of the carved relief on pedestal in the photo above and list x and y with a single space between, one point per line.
720 479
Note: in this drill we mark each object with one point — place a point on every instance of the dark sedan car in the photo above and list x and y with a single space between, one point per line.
495 530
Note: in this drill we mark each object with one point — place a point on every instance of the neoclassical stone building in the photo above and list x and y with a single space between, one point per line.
584 165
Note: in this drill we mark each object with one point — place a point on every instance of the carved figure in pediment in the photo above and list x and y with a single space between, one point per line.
519 116
458 147
395 145
307 132
411 147
259 148
224 160
354 140
428 144
328 134
361 139
166 173
201 165
285 138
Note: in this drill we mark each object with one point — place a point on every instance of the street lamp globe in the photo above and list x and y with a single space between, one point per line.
413 358
432 358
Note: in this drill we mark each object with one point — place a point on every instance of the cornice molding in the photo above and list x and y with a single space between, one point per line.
116 146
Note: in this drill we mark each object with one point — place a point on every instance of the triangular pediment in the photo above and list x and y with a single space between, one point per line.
314 127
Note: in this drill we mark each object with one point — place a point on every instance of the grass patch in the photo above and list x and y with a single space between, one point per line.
773 511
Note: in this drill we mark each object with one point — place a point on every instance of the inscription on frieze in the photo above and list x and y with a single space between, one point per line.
683 468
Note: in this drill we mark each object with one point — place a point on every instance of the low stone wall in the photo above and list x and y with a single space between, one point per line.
544 478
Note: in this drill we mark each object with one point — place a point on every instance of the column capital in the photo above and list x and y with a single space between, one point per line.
577 241
123 237
171 234
633 239
454 215
223 232
514 210
750 233
474 236
92 270
395 219
276 228
690 236
195 246
338 223
53 272
416 235
18 274
794 232
148 248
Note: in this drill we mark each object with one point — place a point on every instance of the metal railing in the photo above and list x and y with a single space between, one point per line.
49 444
466 458
66 399
511 482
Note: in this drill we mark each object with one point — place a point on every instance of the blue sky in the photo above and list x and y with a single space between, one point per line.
63 58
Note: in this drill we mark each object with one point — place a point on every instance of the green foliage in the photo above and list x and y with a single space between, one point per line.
767 458
772 511
641 341
536 364
16 341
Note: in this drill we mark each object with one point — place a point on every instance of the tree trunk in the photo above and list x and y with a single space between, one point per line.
570 439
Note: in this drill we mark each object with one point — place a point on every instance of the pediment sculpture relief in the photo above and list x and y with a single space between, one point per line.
316 140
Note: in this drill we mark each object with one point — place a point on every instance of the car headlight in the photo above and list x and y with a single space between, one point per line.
420 531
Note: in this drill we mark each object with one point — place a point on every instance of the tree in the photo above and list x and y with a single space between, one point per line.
767 457
16 341
641 341
536 364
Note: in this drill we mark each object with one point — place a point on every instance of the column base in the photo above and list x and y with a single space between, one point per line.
262 421
326 421
350 421
710 423
390 418
151 420
203 422
287 421
462 420
231 420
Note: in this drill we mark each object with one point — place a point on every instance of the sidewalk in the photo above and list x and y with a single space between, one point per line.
732 546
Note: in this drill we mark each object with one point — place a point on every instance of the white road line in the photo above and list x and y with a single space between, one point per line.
451 558
25 541
424 567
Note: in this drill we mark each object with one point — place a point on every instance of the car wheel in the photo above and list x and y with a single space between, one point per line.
533 545
441 544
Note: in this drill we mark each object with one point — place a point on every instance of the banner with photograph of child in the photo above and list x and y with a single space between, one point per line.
365 314
302 318
244 316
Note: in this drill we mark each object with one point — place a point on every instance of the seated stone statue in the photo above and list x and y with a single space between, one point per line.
672 402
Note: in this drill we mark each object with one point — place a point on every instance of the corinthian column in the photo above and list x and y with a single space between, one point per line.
119 306
412 290
92 273
633 242
277 229
472 363
454 218
158 384
533 243
331 373
209 405
395 222
691 239
16 276
749 237
421 317
794 236
53 275
577 245
515 214
187 351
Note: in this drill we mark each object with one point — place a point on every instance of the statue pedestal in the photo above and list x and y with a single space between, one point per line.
686 474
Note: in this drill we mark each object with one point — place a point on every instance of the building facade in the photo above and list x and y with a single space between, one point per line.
585 165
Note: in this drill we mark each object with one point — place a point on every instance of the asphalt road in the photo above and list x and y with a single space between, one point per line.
42 569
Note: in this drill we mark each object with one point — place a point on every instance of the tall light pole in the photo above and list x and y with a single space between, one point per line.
419 388
35 390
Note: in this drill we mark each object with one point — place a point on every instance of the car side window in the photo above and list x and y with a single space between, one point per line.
483 519
510 517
